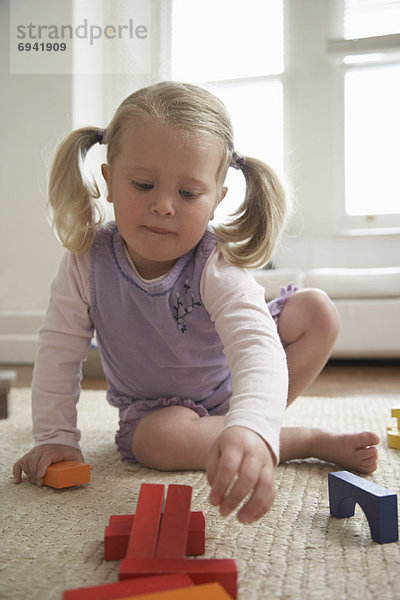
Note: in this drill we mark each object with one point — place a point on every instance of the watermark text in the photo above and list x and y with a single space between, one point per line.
85 31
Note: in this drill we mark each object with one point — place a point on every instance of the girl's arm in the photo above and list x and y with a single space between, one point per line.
249 445
256 358
64 340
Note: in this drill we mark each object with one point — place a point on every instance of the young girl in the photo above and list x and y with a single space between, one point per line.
189 346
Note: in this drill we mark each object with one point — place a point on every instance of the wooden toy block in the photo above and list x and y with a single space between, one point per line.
172 540
197 534
6 379
66 474
129 588
393 433
221 570
378 504
206 591
3 404
116 536
144 533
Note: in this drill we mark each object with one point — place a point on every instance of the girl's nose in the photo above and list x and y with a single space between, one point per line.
163 205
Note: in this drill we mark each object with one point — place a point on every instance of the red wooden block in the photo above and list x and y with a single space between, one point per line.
206 591
222 571
196 534
116 535
130 587
6 379
172 541
66 474
144 532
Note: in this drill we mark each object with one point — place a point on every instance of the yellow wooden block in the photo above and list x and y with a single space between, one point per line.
396 412
393 433
393 438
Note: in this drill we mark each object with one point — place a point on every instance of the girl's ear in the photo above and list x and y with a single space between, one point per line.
219 199
105 170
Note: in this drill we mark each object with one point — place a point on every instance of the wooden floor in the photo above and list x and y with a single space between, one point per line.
350 378
339 378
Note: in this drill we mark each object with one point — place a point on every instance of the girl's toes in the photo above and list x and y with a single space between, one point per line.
368 438
366 454
369 464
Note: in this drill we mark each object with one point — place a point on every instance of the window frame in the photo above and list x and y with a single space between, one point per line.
383 50
220 87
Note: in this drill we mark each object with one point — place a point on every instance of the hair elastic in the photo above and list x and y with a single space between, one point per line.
238 161
101 136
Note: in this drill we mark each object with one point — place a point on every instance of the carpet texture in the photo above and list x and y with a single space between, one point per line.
53 540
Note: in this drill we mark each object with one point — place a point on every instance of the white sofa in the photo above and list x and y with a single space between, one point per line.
368 302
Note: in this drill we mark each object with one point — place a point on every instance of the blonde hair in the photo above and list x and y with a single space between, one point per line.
248 240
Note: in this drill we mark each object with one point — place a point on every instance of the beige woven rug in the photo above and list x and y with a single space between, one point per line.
52 540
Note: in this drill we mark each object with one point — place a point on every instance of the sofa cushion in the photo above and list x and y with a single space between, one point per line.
369 328
356 283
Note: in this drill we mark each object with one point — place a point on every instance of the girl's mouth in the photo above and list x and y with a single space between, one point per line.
159 230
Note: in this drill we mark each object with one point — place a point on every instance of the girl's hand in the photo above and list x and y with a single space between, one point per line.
240 452
35 462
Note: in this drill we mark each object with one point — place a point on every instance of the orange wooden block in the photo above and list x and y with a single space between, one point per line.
207 591
66 474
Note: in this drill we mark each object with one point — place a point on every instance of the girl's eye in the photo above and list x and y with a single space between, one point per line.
188 195
142 186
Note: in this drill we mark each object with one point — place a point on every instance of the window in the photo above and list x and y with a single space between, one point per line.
370 18
235 50
372 134
370 54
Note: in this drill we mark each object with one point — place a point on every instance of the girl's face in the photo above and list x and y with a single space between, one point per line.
164 187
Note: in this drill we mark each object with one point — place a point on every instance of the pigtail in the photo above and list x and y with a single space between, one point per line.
75 214
249 240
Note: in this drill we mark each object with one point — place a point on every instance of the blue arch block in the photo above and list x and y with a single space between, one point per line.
378 504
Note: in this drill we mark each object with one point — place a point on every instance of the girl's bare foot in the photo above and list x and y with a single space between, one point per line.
355 451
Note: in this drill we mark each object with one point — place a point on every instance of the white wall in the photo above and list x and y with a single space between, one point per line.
36 112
